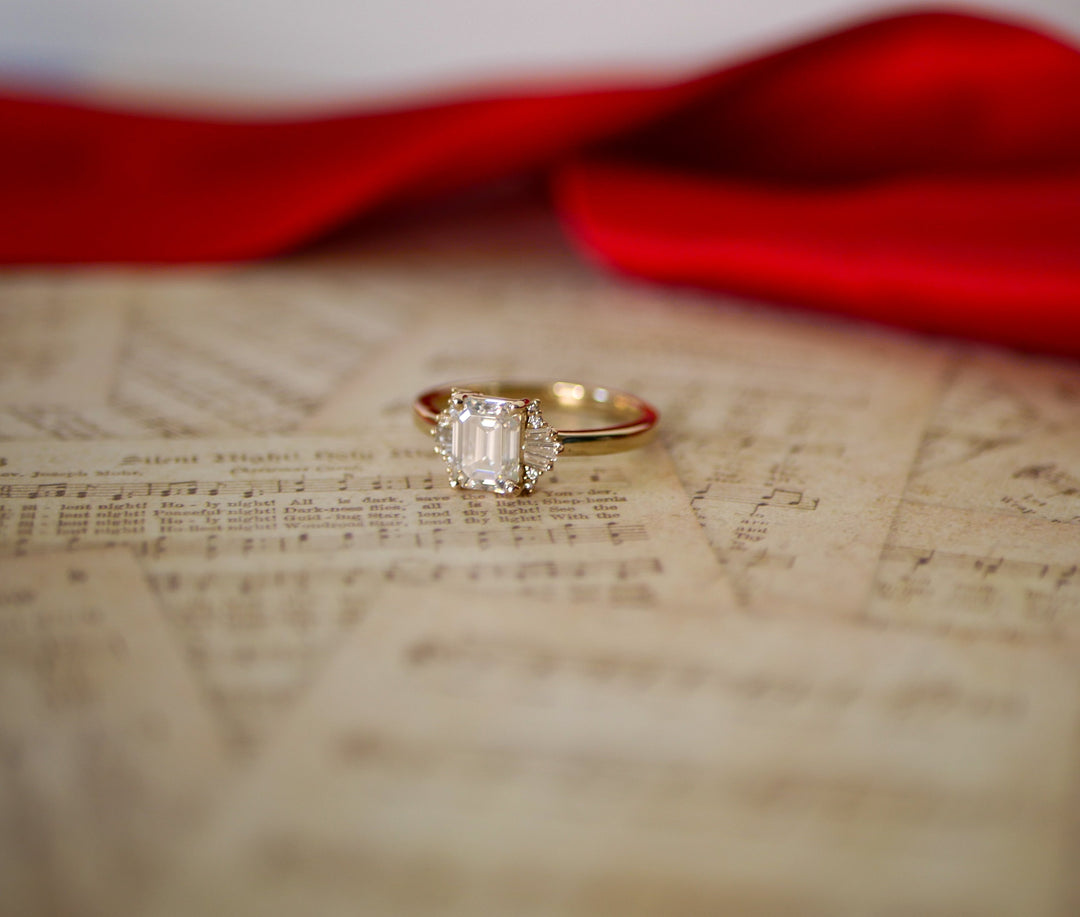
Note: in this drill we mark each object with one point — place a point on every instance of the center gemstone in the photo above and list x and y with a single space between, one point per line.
481 439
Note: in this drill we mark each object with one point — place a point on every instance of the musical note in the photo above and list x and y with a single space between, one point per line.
787 499
119 490
987 567
180 488
1065 577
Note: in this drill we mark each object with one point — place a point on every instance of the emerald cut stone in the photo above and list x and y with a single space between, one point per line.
481 439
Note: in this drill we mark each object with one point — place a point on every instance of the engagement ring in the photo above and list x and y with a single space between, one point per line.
493 436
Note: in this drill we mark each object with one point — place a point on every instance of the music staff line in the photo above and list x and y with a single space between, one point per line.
128 490
777 498
403 571
214 545
248 489
985 566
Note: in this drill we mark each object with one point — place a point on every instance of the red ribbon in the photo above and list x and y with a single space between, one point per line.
921 170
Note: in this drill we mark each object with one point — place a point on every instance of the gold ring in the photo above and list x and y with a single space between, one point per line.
493 436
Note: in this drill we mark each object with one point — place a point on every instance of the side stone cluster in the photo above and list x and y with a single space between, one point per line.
541 448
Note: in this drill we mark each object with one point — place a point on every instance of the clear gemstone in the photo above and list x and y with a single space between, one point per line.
481 441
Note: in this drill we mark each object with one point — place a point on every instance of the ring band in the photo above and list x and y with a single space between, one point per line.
493 436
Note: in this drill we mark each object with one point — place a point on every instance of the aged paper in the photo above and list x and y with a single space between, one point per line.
795 438
58 344
794 442
568 760
985 540
180 353
995 399
108 755
264 551
570 712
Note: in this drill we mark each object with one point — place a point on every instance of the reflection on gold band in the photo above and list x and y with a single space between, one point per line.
627 421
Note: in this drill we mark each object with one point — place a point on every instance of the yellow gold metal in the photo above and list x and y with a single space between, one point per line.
631 422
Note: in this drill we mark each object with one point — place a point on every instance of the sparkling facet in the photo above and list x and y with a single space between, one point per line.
495 444
481 441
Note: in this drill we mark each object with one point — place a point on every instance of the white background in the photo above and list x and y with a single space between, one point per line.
313 53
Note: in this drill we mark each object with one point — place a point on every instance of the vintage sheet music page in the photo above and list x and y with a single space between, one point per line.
812 651
108 755
575 760
57 348
191 353
793 442
986 538
264 550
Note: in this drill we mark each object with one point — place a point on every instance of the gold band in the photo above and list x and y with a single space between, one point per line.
627 421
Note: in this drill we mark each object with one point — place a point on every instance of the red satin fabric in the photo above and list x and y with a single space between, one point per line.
921 170
79 184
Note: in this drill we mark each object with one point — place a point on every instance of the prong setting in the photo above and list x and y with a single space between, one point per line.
501 445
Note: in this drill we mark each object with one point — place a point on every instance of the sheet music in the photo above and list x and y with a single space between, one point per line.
182 353
571 761
824 629
55 347
987 542
995 399
108 756
264 550
793 442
